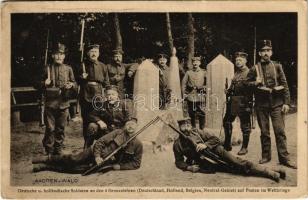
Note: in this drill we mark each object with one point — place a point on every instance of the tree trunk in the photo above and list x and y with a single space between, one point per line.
169 32
117 31
191 38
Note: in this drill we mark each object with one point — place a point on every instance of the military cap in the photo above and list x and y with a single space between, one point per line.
117 51
240 54
265 44
184 121
92 46
59 48
196 58
112 87
161 55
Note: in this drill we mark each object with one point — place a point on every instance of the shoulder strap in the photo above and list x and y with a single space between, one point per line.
275 73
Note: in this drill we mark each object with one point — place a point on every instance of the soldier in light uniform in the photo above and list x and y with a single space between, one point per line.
272 100
239 104
128 158
193 89
118 71
164 71
111 115
59 82
93 78
189 152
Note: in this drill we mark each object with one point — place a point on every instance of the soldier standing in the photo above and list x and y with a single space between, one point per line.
93 77
239 104
193 89
128 158
118 71
164 90
198 143
113 114
272 101
58 81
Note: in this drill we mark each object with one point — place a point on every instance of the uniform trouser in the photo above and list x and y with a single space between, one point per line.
86 108
55 120
72 163
93 133
244 123
196 109
277 118
240 165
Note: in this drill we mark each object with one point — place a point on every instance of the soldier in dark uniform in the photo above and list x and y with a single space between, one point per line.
272 100
164 71
93 78
113 114
118 71
193 89
58 82
128 158
189 154
239 104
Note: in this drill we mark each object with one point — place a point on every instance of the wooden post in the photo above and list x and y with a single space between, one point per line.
169 32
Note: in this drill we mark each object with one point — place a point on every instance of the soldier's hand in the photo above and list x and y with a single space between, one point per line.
116 167
285 108
200 147
258 81
130 74
99 160
68 85
47 81
193 168
84 75
102 125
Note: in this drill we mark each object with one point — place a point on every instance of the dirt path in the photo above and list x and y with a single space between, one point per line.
157 169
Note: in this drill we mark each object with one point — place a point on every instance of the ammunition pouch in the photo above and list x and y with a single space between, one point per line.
68 93
278 90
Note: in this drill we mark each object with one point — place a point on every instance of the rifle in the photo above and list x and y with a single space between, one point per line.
81 49
206 154
97 168
42 99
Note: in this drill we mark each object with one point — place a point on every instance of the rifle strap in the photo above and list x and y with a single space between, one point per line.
260 73
275 73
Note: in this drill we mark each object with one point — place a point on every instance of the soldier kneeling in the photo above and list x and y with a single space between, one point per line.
193 148
128 158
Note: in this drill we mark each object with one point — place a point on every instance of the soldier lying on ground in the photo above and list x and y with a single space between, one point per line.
200 141
128 158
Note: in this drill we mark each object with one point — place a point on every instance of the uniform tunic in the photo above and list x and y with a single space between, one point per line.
238 89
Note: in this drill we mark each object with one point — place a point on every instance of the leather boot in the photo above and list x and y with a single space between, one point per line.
227 143
41 159
201 122
244 149
259 170
281 171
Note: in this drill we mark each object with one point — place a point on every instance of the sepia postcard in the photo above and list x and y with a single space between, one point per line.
154 99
